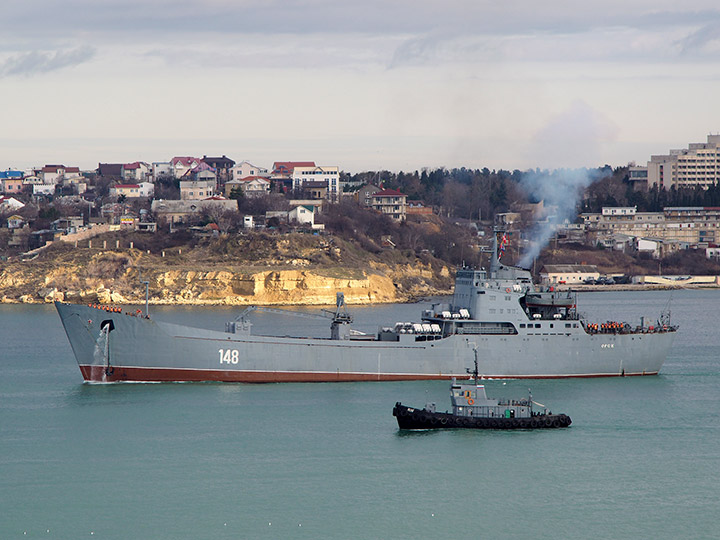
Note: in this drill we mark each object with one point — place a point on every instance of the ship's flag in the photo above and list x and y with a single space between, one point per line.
503 243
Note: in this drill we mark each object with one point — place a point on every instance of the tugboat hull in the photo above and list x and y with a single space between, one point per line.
413 418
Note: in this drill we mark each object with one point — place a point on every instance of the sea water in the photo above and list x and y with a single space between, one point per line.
200 460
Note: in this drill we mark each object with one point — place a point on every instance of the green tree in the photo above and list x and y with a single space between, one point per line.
237 194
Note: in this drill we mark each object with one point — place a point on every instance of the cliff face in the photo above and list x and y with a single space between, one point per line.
270 287
120 283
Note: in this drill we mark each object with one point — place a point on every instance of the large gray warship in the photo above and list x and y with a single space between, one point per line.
516 329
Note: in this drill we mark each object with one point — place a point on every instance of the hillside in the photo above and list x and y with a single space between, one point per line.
254 268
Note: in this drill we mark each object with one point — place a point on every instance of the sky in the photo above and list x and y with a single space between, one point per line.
364 85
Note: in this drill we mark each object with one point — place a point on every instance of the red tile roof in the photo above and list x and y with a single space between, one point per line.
388 193
287 167
184 160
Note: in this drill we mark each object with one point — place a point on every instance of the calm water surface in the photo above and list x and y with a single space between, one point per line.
158 461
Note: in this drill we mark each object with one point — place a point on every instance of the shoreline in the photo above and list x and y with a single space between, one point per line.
230 301
402 299
634 287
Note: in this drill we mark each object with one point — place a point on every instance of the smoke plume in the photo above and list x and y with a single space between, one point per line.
560 191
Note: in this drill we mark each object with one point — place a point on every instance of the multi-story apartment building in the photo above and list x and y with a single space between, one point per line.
691 225
697 165
391 203
222 165
331 175
638 177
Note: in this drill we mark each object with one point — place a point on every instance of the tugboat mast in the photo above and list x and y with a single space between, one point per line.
474 372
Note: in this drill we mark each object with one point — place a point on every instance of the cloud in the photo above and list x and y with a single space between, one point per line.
704 39
38 62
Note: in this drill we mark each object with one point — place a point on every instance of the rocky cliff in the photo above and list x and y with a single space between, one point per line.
116 276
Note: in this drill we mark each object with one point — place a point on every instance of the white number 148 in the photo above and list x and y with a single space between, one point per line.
229 356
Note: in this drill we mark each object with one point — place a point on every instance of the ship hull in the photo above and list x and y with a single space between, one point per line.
141 349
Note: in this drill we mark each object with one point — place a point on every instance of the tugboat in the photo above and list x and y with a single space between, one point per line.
473 409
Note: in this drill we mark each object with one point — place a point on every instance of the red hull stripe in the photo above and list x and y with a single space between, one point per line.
136 374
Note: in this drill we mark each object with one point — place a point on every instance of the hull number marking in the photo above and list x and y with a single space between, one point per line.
607 346
229 356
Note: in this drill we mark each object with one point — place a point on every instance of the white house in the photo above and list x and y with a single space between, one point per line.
331 175
653 246
304 215
9 203
245 169
44 189
147 189
254 186
182 164
15 222
137 171
160 168
54 174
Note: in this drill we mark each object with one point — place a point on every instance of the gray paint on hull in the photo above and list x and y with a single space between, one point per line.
146 343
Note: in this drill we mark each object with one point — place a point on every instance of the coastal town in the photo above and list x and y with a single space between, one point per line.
212 198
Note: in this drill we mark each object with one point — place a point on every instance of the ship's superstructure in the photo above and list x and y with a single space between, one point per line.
517 330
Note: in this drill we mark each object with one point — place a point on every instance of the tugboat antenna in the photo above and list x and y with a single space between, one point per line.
474 372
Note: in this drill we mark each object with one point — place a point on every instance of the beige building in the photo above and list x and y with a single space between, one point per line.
560 274
391 203
697 165
176 212
692 225
195 190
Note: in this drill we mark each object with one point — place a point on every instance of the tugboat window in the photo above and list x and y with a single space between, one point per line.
537 326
